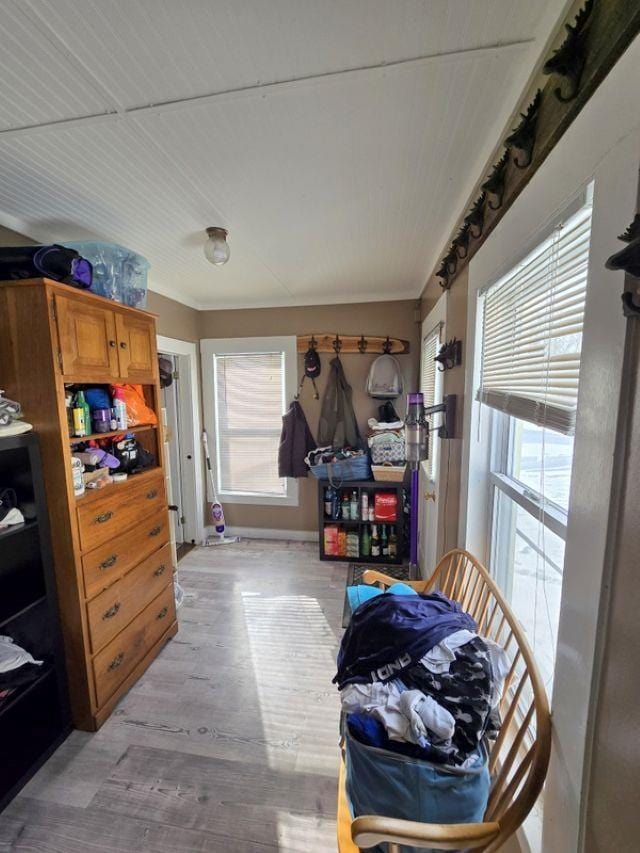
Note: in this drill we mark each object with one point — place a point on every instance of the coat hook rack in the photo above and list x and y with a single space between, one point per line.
352 344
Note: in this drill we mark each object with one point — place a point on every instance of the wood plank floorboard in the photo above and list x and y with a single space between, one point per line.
228 742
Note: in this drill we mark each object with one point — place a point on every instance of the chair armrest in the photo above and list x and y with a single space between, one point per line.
368 831
371 577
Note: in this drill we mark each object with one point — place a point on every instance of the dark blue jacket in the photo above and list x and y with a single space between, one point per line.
391 632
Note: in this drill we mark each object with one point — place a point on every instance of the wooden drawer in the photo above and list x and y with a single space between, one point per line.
122 506
114 608
114 663
105 564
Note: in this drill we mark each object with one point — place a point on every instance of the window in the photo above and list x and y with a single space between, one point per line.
530 364
247 387
431 388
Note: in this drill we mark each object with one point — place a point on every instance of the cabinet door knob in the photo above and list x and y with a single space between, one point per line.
160 570
104 517
111 612
115 663
110 561
162 613
155 530
123 344
112 343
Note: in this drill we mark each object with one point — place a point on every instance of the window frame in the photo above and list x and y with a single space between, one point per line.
209 349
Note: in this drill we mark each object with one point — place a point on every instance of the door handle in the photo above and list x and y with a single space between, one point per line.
430 496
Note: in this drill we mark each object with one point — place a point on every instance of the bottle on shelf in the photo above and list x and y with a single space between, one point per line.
393 543
346 507
364 506
328 502
372 512
353 506
384 542
366 542
353 544
375 542
335 504
80 427
120 409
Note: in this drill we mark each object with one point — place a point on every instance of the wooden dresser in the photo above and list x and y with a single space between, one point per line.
113 562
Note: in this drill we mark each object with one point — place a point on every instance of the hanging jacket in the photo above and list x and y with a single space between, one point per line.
338 425
296 441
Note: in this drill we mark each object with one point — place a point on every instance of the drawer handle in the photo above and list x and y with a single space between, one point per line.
110 561
104 517
155 530
111 612
152 494
162 613
123 345
160 570
115 663
112 343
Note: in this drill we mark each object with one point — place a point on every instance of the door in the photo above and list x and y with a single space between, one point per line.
171 419
136 337
433 331
87 339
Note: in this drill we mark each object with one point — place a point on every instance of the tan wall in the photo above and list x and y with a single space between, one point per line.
175 320
13 238
451 458
378 318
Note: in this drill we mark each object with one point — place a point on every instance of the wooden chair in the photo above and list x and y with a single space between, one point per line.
518 758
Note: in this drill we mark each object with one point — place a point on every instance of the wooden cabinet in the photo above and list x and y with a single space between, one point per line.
136 347
95 341
86 338
112 559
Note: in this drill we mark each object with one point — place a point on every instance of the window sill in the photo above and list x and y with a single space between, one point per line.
259 500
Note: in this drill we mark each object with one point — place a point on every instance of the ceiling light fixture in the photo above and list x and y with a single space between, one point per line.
216 249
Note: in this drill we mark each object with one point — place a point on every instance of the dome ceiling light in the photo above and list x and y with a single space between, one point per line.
216 248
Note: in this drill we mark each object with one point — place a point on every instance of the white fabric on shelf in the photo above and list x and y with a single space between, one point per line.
12 656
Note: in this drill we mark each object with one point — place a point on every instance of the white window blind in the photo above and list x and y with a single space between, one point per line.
532 330
429 386
249 403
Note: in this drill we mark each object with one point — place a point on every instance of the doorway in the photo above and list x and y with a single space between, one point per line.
180 403
431 385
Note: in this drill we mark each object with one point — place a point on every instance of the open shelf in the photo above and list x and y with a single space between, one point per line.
93 494
17 528
96 436
22 692
12 615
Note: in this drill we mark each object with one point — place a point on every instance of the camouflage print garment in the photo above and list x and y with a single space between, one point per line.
465 691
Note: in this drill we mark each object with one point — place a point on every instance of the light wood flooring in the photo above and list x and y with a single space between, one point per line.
228 742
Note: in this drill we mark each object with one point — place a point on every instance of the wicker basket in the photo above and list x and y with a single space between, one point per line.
389 473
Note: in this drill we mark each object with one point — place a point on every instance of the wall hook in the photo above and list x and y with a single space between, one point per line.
568 60
313 343
386 346
494 185
443 273
461 241
523 137
362 344
475 218
337 345
628 258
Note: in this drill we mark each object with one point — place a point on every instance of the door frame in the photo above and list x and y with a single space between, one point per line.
436 317
191 434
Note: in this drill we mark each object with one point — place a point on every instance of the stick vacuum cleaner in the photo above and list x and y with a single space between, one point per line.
216 511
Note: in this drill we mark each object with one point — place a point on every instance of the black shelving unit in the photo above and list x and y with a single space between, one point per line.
35 719
360 486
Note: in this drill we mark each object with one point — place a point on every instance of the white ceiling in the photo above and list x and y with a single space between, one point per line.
337 140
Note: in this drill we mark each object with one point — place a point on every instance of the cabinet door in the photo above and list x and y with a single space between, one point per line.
87 335
136 347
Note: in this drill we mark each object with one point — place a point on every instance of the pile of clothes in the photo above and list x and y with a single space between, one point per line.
324 455
416 679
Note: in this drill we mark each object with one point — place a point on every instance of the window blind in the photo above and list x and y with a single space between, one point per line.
532 330
429 386
249 404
